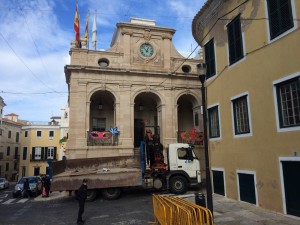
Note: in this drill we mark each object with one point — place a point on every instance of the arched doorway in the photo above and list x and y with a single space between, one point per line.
147 115
188 116
102 113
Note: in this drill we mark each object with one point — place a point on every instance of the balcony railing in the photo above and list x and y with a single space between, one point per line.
105 138
42 159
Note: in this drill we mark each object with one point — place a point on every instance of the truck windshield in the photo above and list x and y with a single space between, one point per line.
185 153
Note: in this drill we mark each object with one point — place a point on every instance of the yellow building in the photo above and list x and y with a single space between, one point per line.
40 146
253 98
10 130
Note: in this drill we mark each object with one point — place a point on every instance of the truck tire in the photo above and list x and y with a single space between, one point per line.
178 185
91 195
111 193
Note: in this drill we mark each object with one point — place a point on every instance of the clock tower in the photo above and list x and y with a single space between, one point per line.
144 44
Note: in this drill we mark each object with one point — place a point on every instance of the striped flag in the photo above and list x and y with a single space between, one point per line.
76 24
94 32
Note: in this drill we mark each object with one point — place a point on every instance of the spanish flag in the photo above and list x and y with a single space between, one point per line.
76 24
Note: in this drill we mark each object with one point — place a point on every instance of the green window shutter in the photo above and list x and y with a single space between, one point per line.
46 153
33 153
235 40
42 153
55 151
210 59
24 153
280 17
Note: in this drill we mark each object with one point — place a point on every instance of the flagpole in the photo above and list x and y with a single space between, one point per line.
86 34
94 31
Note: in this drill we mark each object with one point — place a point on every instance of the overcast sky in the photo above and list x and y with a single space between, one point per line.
35 38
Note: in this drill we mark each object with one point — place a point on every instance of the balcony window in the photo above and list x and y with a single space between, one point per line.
235 40
213 122
288 102
241 116
210 59
39 134
280 17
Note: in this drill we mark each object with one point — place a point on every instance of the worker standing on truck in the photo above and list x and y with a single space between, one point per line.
81 197
149 147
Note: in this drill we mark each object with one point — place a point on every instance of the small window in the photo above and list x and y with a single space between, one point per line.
51 134
26 133
9 134
50 153
210 59
37 153
24 153
280 17
186 68
6 166
235 40
16 153
288 100
39 133
103 62
8 151
213 122
36 171
17 137
241 115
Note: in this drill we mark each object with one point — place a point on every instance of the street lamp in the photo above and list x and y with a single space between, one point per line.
201 71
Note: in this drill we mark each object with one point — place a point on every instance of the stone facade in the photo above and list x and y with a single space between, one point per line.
132 90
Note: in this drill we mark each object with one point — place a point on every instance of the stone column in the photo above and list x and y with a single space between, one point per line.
126 46
124 114
167 50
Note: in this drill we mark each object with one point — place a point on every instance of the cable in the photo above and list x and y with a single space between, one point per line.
35 46
208 33
24 62
128 9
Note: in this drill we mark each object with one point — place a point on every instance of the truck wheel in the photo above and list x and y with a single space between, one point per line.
178 185
111 193
91 195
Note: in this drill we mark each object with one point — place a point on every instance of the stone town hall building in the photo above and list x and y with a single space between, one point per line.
140 82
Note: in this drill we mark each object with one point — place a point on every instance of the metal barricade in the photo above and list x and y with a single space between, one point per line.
170 210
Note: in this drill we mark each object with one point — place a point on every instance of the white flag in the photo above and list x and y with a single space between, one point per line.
94 31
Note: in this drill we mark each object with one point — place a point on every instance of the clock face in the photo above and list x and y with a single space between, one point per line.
146 50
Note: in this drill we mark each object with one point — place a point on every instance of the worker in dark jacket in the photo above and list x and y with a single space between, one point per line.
81 197
26 188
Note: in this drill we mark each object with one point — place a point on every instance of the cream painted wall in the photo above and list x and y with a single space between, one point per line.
33 141
264 63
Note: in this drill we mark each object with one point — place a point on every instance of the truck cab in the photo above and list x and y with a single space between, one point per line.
184 168
181 171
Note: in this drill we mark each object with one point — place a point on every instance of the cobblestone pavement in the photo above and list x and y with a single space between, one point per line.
228 212
233 212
